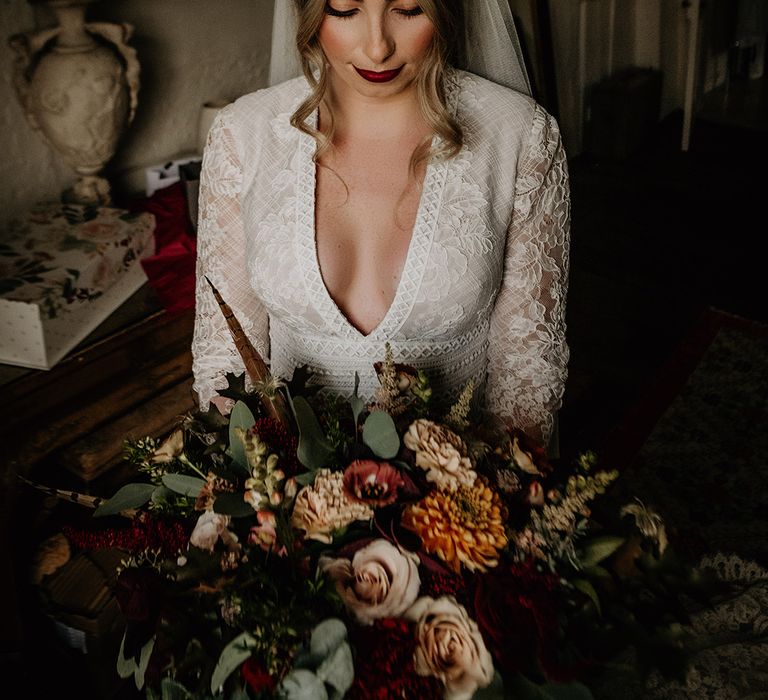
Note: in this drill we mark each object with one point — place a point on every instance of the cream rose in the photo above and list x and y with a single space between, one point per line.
381 580
449 646
209 528
441 453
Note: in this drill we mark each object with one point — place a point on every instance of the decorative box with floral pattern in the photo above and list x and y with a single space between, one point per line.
63 270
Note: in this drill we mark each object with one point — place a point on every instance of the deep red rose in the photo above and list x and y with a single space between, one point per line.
516 611
256 677
384 664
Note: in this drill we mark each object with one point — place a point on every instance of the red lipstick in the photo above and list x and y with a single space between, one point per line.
384 76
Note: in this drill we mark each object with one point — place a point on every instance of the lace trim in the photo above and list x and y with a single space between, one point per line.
423 234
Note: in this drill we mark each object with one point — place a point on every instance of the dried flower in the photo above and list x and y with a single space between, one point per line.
457 416
210 528
213 485
650 523
262 488
322 508
441 453
265 533
449 646
171 447
371 482
463 528
381 580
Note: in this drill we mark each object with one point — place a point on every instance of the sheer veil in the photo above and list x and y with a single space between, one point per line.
491 45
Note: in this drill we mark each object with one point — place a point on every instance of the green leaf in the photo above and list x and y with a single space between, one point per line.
495 691
232 504
302 684
126 667
598 549
183 484
380 434
355 401
314 450
240 417
307 478
128 497
588 589
338 671
234 654
144 656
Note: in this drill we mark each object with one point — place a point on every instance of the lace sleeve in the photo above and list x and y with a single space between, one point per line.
221 257
528 354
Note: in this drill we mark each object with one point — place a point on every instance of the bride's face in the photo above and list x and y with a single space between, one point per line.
375 47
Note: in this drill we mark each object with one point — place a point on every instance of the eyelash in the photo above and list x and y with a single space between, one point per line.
347 14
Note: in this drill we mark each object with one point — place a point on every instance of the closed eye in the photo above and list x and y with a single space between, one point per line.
339 13
412 12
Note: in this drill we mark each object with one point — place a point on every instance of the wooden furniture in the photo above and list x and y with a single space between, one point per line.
66 428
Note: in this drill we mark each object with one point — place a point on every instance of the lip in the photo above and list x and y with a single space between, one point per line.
373 76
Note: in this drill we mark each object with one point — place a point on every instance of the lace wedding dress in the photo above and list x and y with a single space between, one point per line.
729 643
482 292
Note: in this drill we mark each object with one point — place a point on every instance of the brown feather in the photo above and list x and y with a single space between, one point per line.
254 363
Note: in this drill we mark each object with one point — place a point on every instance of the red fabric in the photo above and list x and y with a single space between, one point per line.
171 270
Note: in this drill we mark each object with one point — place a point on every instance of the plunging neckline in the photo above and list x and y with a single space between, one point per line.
415 257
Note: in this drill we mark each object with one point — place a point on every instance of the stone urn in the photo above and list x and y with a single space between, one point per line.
78 84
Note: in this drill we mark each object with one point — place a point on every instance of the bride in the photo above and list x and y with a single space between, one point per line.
387 195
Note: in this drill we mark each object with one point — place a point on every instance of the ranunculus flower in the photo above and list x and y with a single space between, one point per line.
371 482
441 453
450 647
210 528
381 580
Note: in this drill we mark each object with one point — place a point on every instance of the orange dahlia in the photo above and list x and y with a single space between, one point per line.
463 527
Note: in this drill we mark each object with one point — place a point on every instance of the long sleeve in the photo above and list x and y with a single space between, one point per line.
222 258
528 353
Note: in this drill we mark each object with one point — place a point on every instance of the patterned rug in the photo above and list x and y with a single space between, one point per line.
696 447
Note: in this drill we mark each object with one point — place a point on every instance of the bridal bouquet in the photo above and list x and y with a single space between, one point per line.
314 546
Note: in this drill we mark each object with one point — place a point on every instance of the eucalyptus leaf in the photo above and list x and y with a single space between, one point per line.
588 589
232 504
598 549
338 671
234 654
141 668
326 637
302 684
128 497
183 484
240 417
126 666
380 434
314 450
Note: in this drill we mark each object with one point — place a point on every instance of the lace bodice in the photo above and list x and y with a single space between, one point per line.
482 293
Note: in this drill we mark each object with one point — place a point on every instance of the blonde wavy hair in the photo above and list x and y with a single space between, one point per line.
447 17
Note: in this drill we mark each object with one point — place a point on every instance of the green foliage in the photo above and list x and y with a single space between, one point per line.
314 451
129 497
380 434
242 418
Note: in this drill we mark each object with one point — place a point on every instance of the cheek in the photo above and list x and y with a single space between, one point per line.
420 39
333 40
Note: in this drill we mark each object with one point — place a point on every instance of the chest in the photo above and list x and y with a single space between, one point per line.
366 206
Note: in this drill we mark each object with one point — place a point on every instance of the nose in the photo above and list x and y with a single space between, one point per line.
379 44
